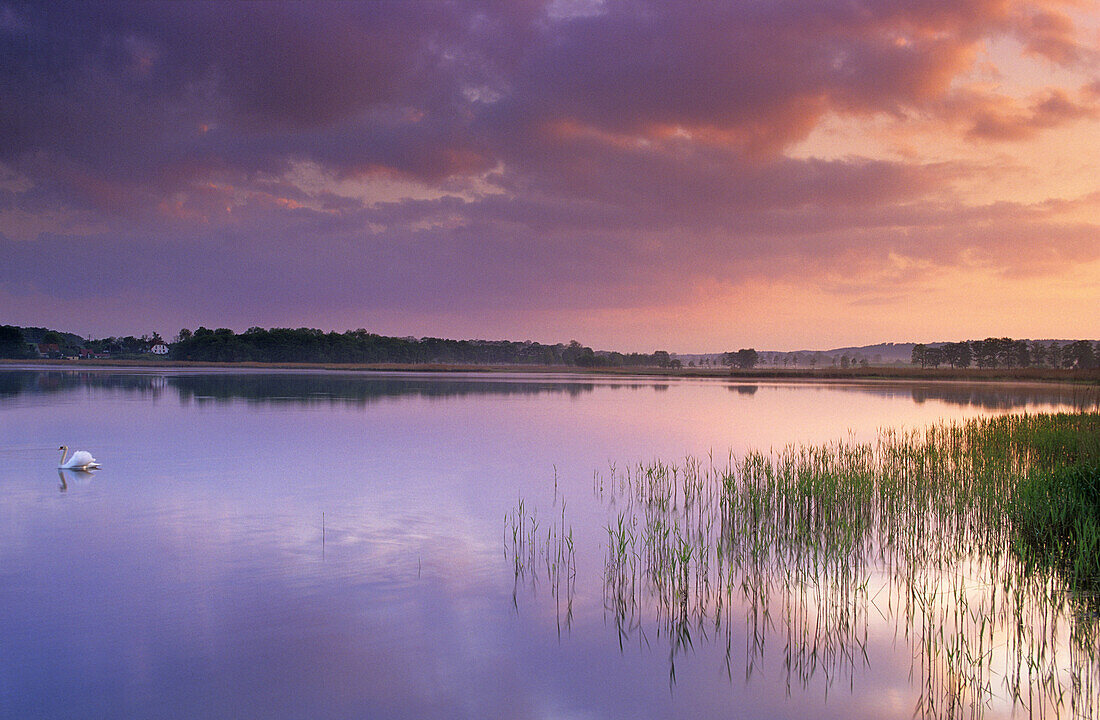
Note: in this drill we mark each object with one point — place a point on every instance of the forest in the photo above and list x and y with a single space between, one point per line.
359 346
1009 353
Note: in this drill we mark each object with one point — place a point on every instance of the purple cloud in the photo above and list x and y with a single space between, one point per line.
610 158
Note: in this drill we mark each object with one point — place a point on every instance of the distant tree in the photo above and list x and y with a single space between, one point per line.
571 352
1005 350
12 342
920 355
744 358
1081 355
957 355
985 352
132 345
963 355
183 335
930 356
1038 353
1018 353
1054 354
588 358
52 338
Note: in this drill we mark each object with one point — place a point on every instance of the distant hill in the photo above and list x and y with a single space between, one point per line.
881 354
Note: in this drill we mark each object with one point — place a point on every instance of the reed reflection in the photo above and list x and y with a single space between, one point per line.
823 547
538 557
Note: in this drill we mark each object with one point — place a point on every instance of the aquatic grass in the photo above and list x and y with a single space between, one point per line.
1058 524
533 554
979 538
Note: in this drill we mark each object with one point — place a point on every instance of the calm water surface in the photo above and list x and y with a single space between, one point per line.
284 545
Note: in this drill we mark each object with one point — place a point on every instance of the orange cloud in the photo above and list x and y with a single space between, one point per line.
1001 118
1049 33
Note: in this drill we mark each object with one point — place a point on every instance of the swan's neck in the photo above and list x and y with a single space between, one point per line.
64 452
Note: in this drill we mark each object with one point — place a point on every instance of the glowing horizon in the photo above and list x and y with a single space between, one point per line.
783 175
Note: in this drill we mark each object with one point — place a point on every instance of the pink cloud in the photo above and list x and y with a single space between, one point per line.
630 154
1000 118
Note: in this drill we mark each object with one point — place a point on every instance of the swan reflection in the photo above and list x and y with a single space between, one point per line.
79 476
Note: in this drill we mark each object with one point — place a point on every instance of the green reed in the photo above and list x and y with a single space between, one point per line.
951 530
979 539
542 551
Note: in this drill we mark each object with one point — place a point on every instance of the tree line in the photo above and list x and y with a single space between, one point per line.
1009 353
312 345
359 346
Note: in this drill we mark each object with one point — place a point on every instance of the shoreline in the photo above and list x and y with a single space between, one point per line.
1045 375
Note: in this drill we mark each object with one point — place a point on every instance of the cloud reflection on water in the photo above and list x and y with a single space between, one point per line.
202 588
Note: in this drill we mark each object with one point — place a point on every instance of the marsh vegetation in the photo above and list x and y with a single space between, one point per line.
976 543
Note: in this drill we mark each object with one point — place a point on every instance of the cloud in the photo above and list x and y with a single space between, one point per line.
999 118
1050 33
261 158
162 93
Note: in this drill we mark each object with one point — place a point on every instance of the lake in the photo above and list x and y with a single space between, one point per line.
337 545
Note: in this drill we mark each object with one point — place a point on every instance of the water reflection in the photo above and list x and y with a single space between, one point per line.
311 388
357 569
815 550
537 558
79 477
993 397
363 388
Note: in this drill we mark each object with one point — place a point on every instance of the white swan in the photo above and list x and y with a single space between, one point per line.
81 460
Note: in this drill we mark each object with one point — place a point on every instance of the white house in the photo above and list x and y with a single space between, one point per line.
159 349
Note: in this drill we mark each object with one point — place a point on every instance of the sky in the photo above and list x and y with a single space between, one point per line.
695 177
